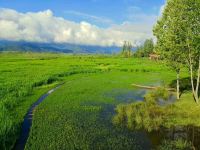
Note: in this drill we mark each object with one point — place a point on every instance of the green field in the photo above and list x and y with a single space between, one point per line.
79 114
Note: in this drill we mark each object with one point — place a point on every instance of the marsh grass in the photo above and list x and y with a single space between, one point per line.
67 115
150 116
146 114
22 75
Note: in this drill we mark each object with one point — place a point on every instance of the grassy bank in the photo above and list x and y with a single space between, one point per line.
185 112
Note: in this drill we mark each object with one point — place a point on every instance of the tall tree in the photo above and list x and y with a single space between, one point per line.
192 31
177 33
168 30
127 49
148 47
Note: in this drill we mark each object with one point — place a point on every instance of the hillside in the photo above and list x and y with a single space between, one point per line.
54 47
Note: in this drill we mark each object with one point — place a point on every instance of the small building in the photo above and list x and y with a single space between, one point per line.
154 56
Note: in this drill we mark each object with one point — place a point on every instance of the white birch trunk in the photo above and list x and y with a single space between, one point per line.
194 92
198 78
177 85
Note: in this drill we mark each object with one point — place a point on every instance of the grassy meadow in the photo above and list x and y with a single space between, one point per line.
79 114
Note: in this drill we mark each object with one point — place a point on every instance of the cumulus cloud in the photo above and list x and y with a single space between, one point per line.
43 26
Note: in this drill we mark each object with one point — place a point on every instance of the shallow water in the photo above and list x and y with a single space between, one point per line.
144 139
190 134
140 138
127 96
171 100
154 139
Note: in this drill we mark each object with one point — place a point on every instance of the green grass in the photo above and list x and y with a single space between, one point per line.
185 112
26 76
178 144
11 119
149 115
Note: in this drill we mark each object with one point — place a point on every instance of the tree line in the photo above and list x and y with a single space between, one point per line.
144 50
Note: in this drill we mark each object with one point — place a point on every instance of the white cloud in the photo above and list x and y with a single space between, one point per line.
45 27
136 14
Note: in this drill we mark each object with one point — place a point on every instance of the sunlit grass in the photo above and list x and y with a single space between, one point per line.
79 114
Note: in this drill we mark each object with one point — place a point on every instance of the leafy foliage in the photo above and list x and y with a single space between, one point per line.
146 49
177 33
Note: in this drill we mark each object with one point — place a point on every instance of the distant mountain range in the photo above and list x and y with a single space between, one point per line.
53 47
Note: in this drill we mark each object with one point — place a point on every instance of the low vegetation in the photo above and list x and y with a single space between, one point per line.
143 115
24 74
80 117
178 144
150 115
78 108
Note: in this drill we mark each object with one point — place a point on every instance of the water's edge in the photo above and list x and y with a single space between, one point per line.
27 123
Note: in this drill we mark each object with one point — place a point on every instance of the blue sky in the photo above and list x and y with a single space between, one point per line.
134 16
116 11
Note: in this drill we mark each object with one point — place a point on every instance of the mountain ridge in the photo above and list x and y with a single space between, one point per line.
55 47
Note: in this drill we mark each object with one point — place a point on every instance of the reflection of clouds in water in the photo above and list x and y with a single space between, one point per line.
107 112
127 96
131 96
170 100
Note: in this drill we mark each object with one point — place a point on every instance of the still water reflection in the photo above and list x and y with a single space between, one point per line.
190 134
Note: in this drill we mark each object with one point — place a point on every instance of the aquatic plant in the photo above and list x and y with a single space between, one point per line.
159 93
139 116
142 115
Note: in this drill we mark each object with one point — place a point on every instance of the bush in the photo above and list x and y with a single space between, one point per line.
138 115
142 115
160 92
120 119
51 80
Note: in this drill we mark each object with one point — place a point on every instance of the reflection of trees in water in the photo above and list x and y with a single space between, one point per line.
190 134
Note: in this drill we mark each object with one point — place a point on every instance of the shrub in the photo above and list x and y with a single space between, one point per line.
142 115
139 115
51 80
120 118
160 92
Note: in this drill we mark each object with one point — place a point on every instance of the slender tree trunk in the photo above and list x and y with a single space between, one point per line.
198 78
192 83
191 78
177 84
194 92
